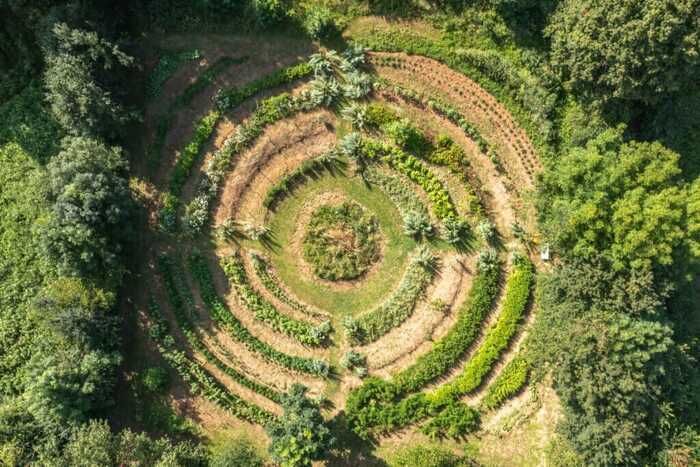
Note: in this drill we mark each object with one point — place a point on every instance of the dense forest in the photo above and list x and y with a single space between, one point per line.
608 94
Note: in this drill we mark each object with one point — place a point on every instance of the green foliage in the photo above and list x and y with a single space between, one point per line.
236 453
320 23
196 377
426 456
301 435
399 306
497 338
417 224
191 152
341 242
27 122
270 12
455 421
379 116
621 200
265 311
87 229
415 170
408 137
223 316
167 65
182 303
597 46
155 379
511 380
230 98
76 63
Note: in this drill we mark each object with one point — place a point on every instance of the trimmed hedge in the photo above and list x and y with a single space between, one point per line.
223 316
497 338
182 304
197 378
509 382
265 311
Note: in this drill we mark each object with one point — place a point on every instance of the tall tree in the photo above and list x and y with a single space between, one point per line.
639 50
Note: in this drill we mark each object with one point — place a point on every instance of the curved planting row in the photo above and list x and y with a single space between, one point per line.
381 406
223 316
474 98
198 379
265 311
182 303
374 324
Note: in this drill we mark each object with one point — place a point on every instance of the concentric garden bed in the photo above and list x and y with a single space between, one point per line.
320 221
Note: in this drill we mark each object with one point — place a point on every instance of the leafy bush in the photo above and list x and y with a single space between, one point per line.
202 131
155 379
408 137
223 316
341 242
238 452
425 456
262 309
269 12
352 360
356 114
454 230
512 378
379 115
456 420
417 224
319 23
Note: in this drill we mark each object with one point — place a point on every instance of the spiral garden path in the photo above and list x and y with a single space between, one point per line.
373 147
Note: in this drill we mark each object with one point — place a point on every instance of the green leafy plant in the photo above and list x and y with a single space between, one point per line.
511 380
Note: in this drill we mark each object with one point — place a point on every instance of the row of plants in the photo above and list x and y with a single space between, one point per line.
374 324
190 153
263 269
517 295
196 377
415 170
320 93
265 311
223 316
369 417
227 99
182 303
444 354
206 78
508 383
312 168
167 65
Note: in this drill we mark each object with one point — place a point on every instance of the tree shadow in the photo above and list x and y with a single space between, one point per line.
350 450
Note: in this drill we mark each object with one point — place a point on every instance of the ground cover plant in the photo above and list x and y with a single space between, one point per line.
298 231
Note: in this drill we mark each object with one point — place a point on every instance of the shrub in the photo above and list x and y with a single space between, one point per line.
353 359
486 230
425 456
155 379
408 137
356 114
379 116
456 420
203 130
454 230
319 23
236 453
269 12
417 224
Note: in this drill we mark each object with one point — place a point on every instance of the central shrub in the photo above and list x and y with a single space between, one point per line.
342 241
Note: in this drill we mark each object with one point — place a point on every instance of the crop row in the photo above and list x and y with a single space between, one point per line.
182 304
230 98
374 324
223 316
196 377
508 383
327 162
395 188
497 339
444 353
206 78
265 311
263 271
414 169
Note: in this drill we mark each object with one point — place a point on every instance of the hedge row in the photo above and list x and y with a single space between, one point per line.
223 316
230 98
308 169
197 378
182 304
508 383
265 311
263 271
497 338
